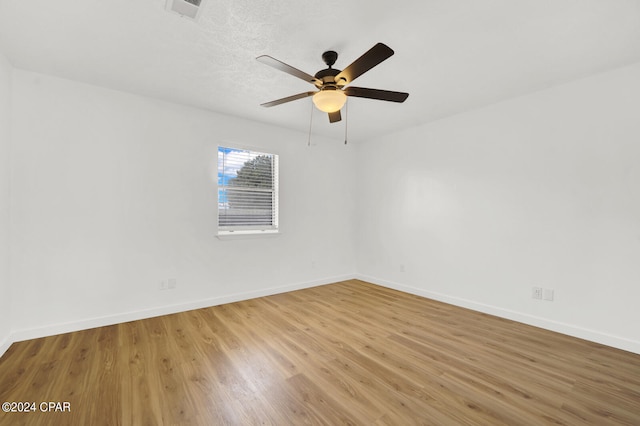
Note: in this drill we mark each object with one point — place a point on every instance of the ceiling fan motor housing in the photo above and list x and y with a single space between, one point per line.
327 76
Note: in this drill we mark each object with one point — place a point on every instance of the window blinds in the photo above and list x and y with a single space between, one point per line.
247 190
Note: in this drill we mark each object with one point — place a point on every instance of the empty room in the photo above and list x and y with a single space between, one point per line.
220 212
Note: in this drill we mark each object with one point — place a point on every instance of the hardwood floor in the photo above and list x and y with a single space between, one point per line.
345 353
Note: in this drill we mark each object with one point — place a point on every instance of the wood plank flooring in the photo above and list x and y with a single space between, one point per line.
346 353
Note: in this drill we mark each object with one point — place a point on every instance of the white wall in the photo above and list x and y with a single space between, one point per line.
5 135
543 190
113 193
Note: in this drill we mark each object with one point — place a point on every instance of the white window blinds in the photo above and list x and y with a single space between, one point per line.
247 190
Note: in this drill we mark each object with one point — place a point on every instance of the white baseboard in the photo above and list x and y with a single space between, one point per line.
568 329
559 327
4 345
50 330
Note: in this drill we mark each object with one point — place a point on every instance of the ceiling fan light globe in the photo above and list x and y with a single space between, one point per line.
329 100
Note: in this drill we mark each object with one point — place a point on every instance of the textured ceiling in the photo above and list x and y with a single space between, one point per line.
451 56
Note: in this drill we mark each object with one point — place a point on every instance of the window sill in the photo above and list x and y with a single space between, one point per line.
235 235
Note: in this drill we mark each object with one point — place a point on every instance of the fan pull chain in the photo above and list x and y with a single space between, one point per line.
310 121
346 120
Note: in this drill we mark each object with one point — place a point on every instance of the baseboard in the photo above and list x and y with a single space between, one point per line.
4 345
50 330
568 329
559 327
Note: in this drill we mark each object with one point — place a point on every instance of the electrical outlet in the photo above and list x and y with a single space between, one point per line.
162 285
171 283
536 293
548 294
402 268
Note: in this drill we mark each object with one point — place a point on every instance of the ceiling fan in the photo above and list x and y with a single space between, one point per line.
330 82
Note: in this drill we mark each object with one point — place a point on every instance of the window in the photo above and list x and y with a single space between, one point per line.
247 191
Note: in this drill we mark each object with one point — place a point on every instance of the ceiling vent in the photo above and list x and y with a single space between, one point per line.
187 8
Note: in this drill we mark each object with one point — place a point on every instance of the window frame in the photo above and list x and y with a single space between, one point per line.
274 228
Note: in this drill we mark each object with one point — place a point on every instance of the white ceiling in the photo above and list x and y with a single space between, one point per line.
450 55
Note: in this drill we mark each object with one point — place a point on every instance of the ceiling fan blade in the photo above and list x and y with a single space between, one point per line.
279 65
382 95
364 63
288 99
334 117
